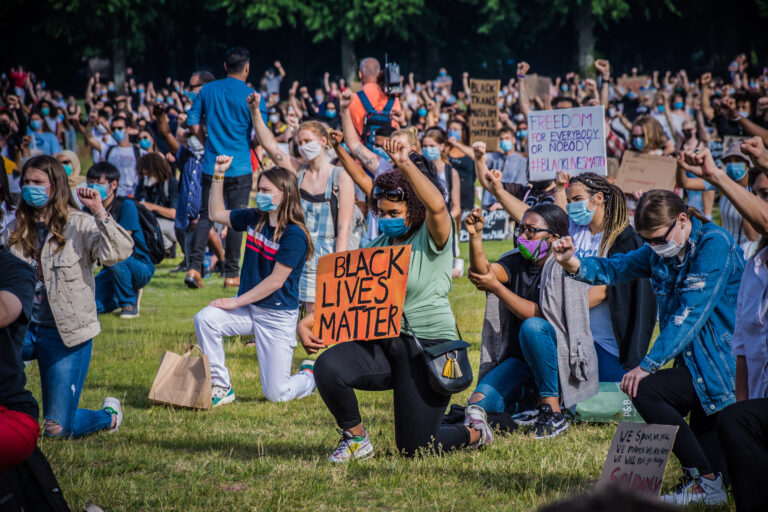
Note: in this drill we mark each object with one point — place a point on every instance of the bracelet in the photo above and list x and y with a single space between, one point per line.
520 76
218 177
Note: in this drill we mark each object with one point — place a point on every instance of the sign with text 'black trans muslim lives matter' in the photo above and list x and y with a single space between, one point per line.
360 294
570 140
484 113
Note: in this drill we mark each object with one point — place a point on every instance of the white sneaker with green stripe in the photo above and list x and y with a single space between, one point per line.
352 447
111 405
221 395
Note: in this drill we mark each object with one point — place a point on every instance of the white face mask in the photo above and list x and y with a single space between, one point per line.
669 249
310 150
444 116
150 181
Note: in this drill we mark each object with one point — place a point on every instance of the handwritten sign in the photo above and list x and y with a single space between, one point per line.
484 113
538 85
638 457
644 172
716 150
496 225
633 83
360 294
570 140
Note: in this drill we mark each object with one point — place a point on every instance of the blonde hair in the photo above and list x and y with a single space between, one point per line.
72 156
316 128
410 134
653 133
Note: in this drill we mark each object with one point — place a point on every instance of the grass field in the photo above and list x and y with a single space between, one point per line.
257 455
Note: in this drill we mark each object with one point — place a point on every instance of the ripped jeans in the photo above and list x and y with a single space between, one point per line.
62 375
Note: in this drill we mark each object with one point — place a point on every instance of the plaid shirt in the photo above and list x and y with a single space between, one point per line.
614 145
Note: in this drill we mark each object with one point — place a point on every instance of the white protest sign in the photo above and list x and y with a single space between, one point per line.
570 140
638 457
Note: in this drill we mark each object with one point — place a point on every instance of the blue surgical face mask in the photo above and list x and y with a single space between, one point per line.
579 213
145 143
159 99
422 112
102 189
35 196
638 143
35 124
330 114
521 134
111 88
393 226
631 95
68 169
660 109
744 114
264 202
60 117
677 105
141 90
118 135
506 145
454 134
736 170
45 111
380 152
564 87
431 152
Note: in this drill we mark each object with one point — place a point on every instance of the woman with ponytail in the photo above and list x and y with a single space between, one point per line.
695 268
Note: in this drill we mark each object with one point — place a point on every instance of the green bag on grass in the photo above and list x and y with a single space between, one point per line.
609 405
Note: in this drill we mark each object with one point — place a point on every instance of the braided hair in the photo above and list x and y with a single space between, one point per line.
616 217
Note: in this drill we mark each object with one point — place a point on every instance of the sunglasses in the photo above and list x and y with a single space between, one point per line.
530 231
396 195
660 240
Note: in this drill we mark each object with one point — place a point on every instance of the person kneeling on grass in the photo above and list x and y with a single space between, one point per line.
411 211
120 285
695 269
62 243
267 303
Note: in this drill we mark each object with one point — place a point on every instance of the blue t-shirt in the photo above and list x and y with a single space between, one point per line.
261 253
46 142
224 105
129 219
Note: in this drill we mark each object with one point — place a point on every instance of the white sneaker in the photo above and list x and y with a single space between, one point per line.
688 490
112 406
475 417
221 395
352 447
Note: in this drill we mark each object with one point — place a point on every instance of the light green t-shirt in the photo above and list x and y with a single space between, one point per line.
429 282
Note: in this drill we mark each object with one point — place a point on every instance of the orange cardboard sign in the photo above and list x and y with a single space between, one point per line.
360 294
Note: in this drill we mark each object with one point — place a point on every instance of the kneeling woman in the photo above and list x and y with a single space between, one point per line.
695 269
411 211
531 368
267 304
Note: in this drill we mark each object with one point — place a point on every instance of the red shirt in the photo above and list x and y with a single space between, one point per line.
19 77
377 98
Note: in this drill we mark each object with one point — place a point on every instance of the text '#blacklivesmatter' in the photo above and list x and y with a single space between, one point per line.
360 294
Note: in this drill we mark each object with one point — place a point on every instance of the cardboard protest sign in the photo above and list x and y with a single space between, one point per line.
644 172
484 113
360 294
716 150
496 225
633 83
638 457
570 140
538 85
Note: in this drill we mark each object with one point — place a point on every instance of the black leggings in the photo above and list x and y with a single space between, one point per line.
665 398
393 364
743 429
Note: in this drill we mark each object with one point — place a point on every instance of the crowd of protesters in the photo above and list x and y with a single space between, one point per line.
334 166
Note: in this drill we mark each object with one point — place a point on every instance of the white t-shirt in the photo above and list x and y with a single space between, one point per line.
588 246
125 161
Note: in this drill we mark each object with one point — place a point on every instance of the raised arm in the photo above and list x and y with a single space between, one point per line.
354 170
165 130
346 210
367 158
522 70
455 195
438 219
87 132
216 209
603 67
264 134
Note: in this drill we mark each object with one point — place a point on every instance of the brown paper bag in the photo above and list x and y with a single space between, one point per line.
183 381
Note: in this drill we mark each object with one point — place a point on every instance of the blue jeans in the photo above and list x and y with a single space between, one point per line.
509 386
62 375
609 368
118 285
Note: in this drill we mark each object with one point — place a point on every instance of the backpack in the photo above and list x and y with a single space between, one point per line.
153 236
135 152
31 486
374 119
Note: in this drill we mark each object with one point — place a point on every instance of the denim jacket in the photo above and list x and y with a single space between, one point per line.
697 306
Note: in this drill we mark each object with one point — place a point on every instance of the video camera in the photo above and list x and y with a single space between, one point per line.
391 77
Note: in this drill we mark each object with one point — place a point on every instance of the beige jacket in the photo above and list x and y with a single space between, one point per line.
68 273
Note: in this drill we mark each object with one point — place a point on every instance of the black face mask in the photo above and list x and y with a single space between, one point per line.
5 128
537 187
688 134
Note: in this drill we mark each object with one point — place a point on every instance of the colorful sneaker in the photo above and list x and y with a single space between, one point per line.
130 311
112 406
694 488
475 417
352 447
221 395
308 365
526 418
549 424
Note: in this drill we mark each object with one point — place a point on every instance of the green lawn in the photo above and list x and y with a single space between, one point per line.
257 455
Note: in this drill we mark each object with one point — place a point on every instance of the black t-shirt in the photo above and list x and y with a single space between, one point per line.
465 166
524 279
17 278
157 193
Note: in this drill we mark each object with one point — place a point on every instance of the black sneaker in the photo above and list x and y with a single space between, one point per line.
130 311
527 418
549 424
181 268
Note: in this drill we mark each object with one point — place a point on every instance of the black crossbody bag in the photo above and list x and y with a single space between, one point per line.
447 363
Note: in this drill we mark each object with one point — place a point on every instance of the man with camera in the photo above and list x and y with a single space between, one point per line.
383 103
